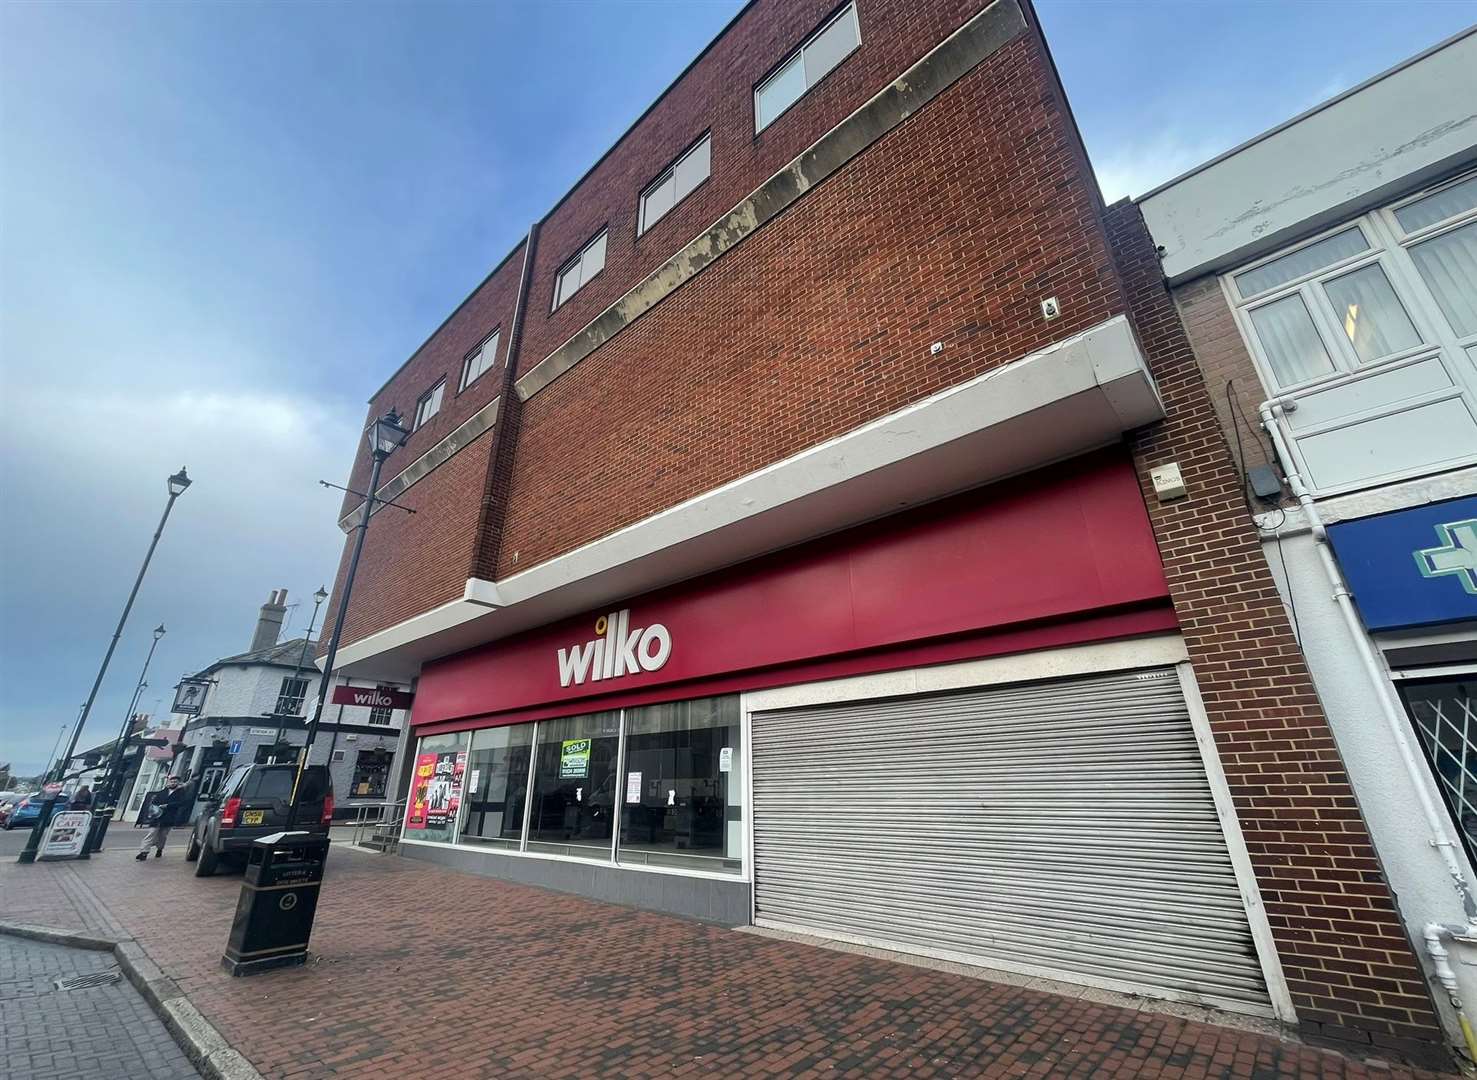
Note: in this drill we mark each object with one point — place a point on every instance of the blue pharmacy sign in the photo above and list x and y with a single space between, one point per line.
1414 567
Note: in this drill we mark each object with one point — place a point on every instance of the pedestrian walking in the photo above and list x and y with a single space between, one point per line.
81 799
171 807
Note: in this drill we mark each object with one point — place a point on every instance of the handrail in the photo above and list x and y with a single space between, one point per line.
378 819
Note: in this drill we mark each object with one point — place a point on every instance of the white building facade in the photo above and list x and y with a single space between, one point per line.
252 699
1326 273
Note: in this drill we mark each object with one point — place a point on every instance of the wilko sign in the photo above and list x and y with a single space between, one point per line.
372 697
616 650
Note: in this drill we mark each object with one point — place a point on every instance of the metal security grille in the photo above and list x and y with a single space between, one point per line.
1064 829
1445 719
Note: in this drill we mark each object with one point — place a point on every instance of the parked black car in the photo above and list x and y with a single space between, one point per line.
252 803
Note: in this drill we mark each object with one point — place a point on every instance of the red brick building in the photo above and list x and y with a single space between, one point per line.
821 522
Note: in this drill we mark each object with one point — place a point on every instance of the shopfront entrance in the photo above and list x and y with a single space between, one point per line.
1064 828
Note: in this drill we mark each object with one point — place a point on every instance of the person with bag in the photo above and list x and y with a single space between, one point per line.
168 809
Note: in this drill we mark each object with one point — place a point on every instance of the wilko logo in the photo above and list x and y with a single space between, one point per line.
616 650
374 697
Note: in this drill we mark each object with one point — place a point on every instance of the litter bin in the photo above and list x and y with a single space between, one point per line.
279 898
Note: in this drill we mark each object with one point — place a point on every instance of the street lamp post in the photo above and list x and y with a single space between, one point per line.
275 919
177 485
112 785
302 660
384 435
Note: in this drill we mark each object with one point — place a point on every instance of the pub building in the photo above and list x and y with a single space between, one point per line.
821 524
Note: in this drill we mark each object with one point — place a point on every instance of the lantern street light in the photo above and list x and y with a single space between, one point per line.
385 435
268 930
302 661
112 786
177 485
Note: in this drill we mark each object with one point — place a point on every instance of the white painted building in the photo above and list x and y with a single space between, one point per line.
1326 273
248 698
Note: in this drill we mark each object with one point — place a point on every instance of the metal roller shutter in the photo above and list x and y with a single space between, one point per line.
1064 829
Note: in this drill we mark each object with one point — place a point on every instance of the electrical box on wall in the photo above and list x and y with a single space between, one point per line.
1168 483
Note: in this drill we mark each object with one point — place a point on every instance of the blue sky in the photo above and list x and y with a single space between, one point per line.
223 226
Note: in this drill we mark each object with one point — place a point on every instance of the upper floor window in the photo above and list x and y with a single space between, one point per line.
806 66
676 183
1369 335
381 715
480 360
290 697
580 269
429 404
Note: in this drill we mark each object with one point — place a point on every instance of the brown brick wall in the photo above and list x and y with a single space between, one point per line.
952 228
1343 948
717 95
488 308
415 562
1223 359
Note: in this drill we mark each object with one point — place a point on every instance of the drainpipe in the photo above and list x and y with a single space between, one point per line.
1394 716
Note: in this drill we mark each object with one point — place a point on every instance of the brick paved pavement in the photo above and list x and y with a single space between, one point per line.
99 1032
423 971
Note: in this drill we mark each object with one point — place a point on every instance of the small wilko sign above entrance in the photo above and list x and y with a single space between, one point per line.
372 697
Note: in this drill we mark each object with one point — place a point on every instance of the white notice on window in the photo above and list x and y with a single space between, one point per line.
633 787
476 773
725 759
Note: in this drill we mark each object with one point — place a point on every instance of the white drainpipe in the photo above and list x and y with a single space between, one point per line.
1394 716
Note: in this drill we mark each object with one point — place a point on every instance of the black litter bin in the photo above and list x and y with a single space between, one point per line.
279 898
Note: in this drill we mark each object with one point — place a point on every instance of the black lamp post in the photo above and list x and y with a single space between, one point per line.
302 660
384 436
112 786
274 919
177 485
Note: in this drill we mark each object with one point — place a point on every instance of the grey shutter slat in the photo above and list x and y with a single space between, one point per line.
1064 827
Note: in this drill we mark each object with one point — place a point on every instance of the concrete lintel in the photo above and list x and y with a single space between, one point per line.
936 72
1068 398
459 439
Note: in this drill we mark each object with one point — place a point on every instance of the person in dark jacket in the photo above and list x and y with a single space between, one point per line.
171 805
81 799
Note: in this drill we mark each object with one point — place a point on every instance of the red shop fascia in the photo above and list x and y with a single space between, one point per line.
1060 556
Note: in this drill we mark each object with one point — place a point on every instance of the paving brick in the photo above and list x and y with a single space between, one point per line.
420 970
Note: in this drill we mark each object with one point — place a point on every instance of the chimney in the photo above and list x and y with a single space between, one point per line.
269 623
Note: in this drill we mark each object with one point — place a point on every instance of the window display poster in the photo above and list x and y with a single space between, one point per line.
574 759
436 789
633 787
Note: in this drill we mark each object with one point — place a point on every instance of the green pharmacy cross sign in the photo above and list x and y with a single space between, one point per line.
1455 555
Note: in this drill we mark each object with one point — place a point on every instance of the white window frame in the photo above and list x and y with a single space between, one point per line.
429 404
284 698
486 352
849 11
1388 245
576 265
643 217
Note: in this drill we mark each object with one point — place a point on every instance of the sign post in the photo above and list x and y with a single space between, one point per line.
66 834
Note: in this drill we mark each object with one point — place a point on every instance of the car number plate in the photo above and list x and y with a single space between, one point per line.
253 817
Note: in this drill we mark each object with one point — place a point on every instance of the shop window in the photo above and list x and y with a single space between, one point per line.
371 771
681 795
497 785
574 786
1444 715
436 781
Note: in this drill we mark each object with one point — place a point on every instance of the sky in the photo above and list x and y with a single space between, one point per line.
222 227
